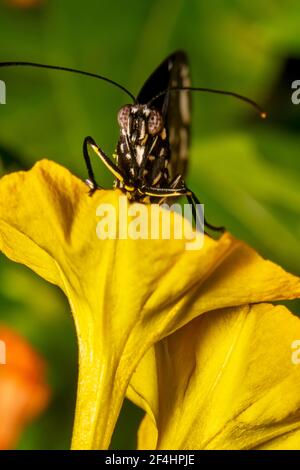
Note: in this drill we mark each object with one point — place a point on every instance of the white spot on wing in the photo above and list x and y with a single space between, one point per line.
140 150
183 143
157 178
185 75
184 107
163 134
153 144
184 102
143 130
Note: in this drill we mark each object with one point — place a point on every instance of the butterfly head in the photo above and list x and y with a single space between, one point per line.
138 122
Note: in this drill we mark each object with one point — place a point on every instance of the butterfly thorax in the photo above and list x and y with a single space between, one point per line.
142 152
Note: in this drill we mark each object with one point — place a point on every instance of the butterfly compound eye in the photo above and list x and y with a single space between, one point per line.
155 122
123 115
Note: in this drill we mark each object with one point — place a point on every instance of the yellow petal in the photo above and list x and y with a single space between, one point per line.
147 434
227 381
125 295
289 441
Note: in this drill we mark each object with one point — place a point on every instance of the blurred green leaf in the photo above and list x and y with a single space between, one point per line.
256 200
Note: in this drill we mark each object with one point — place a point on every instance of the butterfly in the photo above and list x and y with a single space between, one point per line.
151 157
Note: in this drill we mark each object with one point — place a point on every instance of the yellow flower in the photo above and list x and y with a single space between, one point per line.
227 380
126 295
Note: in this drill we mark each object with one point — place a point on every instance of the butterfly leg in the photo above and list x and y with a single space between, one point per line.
162 192
174 183
91 182
192 198
182 191
165 193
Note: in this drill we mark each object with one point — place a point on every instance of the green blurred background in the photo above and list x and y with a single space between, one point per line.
245 170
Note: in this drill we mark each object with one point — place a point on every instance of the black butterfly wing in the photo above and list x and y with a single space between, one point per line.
175 106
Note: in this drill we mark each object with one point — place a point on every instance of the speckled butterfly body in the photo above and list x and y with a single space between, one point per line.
143 150
154 133
152 150
151 156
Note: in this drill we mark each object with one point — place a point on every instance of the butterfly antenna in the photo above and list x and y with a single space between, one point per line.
253 103
67 69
